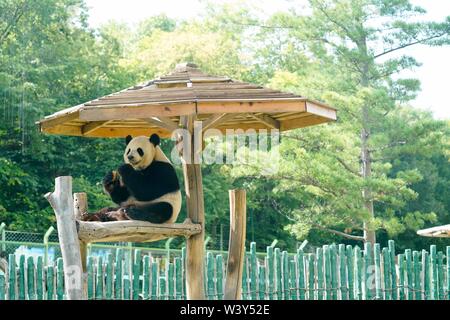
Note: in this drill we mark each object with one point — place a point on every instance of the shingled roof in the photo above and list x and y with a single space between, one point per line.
156 107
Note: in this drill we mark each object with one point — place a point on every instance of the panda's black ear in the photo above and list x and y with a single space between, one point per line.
128 139
154 138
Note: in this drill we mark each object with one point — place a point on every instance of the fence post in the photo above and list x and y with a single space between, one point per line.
46 236
2 231
61 201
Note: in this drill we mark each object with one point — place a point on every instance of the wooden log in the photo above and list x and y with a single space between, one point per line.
134 231
236 248
80 207
61 201
195 251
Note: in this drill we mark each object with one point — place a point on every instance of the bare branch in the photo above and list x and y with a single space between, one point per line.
409 44
339 233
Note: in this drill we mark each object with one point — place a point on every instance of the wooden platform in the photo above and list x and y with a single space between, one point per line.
134 231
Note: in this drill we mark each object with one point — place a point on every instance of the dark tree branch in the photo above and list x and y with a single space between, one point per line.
339 233
409 44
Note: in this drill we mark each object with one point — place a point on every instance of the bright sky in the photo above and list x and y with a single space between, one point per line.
434 73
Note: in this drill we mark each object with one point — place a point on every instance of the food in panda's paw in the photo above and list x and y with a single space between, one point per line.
110 180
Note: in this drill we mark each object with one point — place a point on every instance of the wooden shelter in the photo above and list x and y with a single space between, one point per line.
162 106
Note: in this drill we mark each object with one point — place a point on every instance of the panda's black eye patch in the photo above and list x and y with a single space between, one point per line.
140 151
128 152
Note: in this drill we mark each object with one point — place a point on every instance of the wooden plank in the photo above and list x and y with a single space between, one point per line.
401 272
57 119
311 276
386 274
146 278
139 111
377 264
2 287
236 247
59 279
118 270
351 272
40 278
134 231
109 277
334 274
440 274
267 120
99 284
320 282
270 271
162 288
448 271
278 274
302 122
416 269
343 273
210 295
90 278
50 282
155 279
285 275
136 274
433 272
358 274
21 281
301 274
31 293
262 281
215 120
178 278
253 271
168 125
92 126
391 246
319 110
61 201
251 106
368 270
170 281
409 273
219 276
426 277
12 276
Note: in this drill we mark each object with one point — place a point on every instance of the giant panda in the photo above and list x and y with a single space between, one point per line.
145 187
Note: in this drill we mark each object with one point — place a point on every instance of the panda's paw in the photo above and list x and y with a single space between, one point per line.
110 180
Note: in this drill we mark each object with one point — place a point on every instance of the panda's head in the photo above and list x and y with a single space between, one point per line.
141 151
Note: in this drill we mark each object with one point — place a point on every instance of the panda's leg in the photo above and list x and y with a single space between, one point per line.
158 212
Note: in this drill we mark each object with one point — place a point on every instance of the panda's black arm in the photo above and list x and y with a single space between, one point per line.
119 194
112 185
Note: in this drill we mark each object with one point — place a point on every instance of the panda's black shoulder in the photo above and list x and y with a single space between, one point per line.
163 171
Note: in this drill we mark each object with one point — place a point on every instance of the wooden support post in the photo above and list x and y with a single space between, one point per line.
61 201
195 251
236 247
80 207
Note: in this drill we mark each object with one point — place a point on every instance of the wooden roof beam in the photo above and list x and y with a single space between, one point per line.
92 126
267 120
216 120
163 122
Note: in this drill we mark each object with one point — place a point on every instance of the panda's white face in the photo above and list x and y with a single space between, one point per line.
139 153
